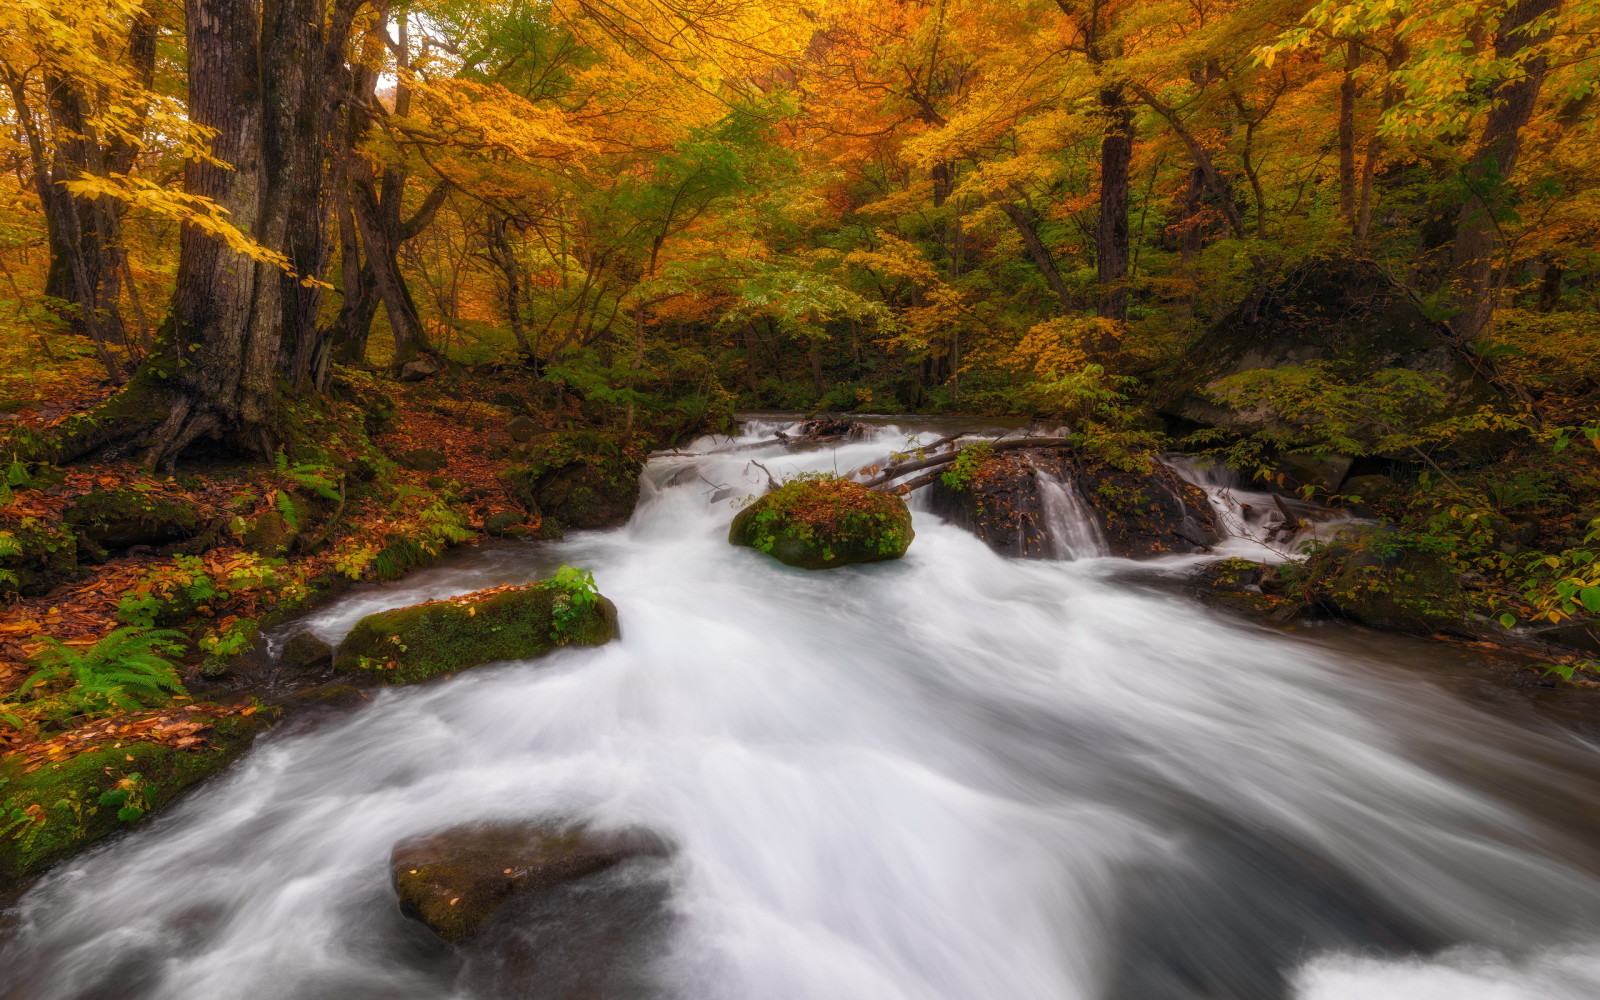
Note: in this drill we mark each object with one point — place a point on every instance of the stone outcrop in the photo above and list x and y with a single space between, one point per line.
1138 515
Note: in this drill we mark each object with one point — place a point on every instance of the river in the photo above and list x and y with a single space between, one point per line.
950 777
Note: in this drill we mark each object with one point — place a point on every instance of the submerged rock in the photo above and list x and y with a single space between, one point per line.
820 523
413 644
820 429
580 479
453 881
57 809
304 652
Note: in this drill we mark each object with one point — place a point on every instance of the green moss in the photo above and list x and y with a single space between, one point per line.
269 533
58 809
117 519
822 522
413 644
44 555
1383 583
582 479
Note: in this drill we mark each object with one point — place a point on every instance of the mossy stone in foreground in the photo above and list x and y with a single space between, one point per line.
413 644
820 523
59 808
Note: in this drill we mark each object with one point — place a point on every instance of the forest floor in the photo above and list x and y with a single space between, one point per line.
234 578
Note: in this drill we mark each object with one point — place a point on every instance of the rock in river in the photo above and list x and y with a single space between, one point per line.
455 879
823 522
413 644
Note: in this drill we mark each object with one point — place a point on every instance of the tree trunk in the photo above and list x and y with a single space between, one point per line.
1488 174
1026 221
1111 229
241 331
1347 134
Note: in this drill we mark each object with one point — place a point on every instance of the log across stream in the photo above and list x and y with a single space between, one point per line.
954 776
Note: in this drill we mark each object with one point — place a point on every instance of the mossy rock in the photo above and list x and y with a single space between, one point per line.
58 809
119 519
1384 585
269 533
1232 574
47 555
454 880
506 524
413 644
822 523
583 479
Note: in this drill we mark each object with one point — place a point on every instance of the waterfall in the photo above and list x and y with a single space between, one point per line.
951 777
1072 526
1258 522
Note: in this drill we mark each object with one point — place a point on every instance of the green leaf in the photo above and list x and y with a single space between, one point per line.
1508 619
1590 598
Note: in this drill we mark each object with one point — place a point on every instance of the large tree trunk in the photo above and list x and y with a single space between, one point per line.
1347 134
1488 174
241 331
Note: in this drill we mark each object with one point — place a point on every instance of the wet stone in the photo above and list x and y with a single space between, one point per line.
454 880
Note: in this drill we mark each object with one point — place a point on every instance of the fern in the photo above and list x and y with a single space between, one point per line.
289 508
125 671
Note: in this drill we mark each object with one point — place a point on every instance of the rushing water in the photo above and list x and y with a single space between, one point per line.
952 776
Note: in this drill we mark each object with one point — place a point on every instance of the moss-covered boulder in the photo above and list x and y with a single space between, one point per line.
581 479
454 880
1383 584
53 810
823 522
35 556
413 644
268 533
1321 310
1150 512
120 519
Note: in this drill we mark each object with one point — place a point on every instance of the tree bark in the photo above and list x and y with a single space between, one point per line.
1111 228
1488 173
1347 134
1026 221
242 332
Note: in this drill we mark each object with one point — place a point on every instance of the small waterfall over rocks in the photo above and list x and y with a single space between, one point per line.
1071 524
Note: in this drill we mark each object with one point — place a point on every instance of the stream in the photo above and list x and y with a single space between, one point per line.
951 777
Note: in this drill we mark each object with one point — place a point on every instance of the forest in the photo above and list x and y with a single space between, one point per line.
300 299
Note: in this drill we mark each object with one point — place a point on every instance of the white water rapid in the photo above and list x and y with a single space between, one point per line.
950 777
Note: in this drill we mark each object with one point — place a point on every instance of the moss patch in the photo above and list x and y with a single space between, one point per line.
46 554
1382 584
582 479
117 519
58 809
413 644
822 522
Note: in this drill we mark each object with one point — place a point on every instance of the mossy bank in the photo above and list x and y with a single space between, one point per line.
56 809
